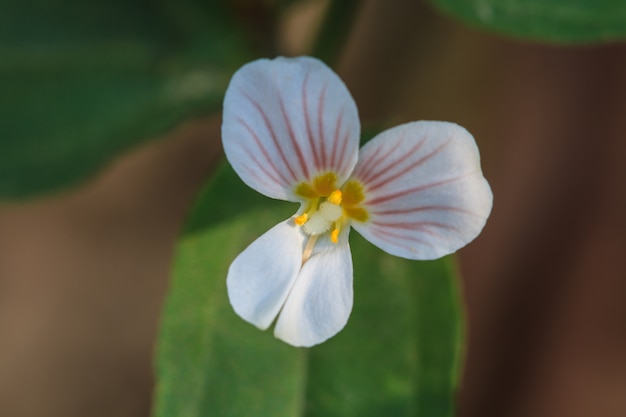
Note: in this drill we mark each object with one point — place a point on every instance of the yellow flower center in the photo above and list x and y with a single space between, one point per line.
329 207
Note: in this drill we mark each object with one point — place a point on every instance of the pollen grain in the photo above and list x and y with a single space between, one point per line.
335 197
300 220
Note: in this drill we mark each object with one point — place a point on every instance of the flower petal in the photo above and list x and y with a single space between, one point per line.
287 120
424 190
320 301
260 278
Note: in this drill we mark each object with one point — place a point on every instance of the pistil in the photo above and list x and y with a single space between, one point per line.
319 219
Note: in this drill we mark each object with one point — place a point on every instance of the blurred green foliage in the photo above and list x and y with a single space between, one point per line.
398 355
83 81
569 21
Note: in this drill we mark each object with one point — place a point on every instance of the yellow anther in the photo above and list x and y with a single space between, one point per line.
335 197
300 220
334 235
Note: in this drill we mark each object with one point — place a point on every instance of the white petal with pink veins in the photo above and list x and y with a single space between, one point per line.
287 120
425 193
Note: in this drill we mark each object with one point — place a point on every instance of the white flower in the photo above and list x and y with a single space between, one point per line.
291 131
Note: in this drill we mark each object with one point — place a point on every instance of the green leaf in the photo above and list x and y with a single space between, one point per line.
549 20
83 81
398 355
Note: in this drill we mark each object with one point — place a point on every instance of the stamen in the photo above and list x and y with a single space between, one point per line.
335 197
300 220
327 214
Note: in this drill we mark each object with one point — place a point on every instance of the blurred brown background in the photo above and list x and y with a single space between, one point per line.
545 284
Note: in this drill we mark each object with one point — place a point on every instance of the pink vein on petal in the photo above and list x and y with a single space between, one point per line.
262 180
342 154
292 137
393 238
419 225
264 152
333 155
383 181
307 121
391 164
260 166
391 212
371 163
269 127
320 125
393 196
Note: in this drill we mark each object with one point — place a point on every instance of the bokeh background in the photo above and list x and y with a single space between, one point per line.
84 272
